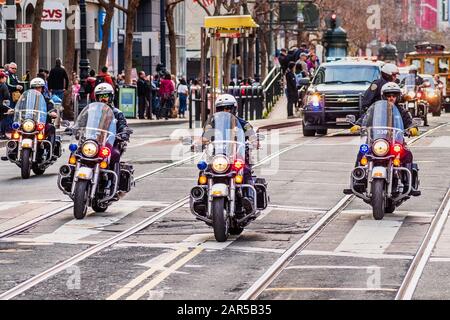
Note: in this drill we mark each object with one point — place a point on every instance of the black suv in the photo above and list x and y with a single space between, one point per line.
335 92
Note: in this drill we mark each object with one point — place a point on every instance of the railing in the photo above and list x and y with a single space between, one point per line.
254 102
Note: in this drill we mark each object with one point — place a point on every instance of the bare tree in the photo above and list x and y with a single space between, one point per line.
69 62
106 29
36 36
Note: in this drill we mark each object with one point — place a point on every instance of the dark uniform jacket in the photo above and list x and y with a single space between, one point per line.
291 83
121 121
4 95
373 94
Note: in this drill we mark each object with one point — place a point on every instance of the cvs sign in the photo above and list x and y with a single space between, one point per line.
53 16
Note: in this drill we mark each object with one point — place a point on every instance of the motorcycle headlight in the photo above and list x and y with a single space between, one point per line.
220 164
89 149
380 148
28 126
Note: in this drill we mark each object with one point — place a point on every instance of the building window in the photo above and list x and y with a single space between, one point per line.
445 8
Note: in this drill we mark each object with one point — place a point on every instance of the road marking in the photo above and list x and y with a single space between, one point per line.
398 214
156 264
331 289
439 259
166 273
78 229
355 255
370 236
440 142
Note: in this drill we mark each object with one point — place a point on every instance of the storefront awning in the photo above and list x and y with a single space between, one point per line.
230 22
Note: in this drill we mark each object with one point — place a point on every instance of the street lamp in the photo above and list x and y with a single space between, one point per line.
162 12
84 61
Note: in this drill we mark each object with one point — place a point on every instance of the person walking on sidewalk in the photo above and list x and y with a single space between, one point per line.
4 97
291 89
58 81
183 92
166 92
143 89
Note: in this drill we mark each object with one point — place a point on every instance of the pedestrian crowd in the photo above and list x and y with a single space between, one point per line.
297 64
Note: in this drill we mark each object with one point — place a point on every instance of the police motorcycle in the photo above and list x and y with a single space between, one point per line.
380 178
87 178
29 146
218 198
414 99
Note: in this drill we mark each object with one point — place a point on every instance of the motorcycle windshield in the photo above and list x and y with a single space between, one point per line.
225 136
96 122
384 121
410 80
31 106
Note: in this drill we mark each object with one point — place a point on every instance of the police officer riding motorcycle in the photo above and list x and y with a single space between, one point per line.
414 96
227 196
385 175
389 72
33 144
95 177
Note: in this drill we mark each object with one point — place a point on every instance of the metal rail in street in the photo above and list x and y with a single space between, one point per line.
279 266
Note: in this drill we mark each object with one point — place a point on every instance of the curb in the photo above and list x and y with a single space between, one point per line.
281 125
151 123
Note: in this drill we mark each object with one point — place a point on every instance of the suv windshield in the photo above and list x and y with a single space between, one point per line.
346 74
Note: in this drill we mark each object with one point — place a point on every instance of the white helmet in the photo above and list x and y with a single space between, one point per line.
226 100
392 88
104 91
37 83
413 67
389 69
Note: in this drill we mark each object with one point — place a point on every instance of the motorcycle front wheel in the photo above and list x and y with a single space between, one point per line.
220 222
25 167
378 198
37 171
80 199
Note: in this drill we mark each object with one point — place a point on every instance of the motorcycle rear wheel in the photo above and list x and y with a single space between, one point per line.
80 199
220 223
25 168
378 199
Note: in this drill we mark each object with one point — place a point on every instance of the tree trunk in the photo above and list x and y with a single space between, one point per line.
227 62
106 33
36 36
69 62
263 54
251 57
172 38
131 18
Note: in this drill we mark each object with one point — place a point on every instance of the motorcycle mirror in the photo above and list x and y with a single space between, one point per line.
427 84
350 118
68 131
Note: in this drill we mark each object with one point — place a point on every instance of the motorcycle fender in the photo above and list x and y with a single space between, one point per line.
379 173
219 190
85 173
27 144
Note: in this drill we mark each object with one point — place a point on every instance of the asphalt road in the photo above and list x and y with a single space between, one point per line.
354 257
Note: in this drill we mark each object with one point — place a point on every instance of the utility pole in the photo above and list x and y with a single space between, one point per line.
10 36
84 61
162 12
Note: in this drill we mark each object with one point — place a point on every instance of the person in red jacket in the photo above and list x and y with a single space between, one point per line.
105 77
166 91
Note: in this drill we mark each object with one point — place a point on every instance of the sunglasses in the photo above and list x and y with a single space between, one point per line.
103 96
390 95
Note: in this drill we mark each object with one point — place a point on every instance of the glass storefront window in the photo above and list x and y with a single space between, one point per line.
443 65
430 64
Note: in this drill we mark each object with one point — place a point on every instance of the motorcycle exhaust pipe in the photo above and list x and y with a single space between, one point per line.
197 193
359 174
65 171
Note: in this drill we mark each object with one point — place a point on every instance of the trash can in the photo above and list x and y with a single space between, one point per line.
127 101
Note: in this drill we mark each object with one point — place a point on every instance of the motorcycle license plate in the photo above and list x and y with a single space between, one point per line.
411 105
341 121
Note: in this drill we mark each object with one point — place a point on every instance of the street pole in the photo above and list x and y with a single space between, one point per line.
271 44
10 36
162 12
84 61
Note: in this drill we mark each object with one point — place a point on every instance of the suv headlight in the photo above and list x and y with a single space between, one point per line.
28 126
220 164
89 149
380 148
